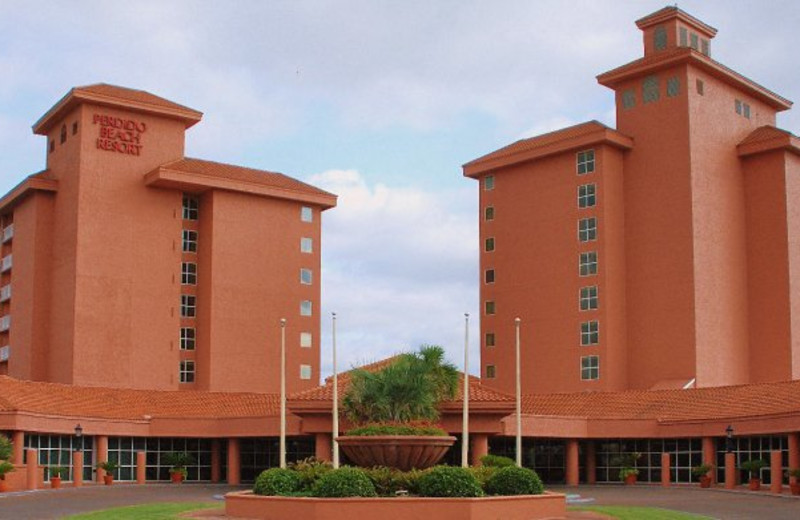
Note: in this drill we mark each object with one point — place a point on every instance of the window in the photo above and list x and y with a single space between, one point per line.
491 373
660 38
585 162
490 340
738 106
306 245
52 146
684 37
306 214
63 134
694 41
489 276
74 128
188 306
488 182
188 273
700 87
590 333
587 229
305 371
742 108
187 338
587 263
705 47
488 213
187 371
489 306
305 339
305 276
628 99
586 196
746 110
590 368
673 87
189 241
305 308
588 298
650 90
191 207
489 245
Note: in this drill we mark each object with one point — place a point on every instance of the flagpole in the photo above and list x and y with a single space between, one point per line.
283 394
465 413
335 428
518 398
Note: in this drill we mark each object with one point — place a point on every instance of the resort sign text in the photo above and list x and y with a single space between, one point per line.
119 135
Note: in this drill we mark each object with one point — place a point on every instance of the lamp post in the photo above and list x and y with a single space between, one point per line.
465 411
283 394
335 428
78 437
729 439
518 397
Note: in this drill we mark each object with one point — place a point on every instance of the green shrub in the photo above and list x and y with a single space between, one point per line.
277 481
344 482
6 448
513 480
483 474
387 481
412 479
446 481
497 461
396 429
310 470
5 467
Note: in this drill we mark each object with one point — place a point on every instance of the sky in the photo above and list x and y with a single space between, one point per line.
380 102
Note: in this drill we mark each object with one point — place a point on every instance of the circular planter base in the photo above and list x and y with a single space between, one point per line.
404 452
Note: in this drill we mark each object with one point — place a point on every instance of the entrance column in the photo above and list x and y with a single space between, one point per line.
323 447
572 462
18 438
666 470
710 456
730 470
776 471
102 455
234 462
32 467
479 447
77 468
591 463
794 453
216 459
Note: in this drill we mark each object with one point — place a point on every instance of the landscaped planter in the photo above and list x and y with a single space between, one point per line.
245 504
404 452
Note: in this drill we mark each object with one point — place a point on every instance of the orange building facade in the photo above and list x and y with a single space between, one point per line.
126 264
660 254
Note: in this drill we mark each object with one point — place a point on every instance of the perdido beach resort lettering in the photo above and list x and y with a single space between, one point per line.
119 135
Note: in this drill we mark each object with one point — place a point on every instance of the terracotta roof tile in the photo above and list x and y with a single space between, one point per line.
765 133
129 94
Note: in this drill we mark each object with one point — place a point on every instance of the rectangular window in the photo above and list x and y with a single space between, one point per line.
700 87
587 263
488 182
306 214
588 298
488 213
305 308
188 273
590 333
189 241
305 339
305 371
590 368
586 196
489 306
188 306
673 87
187 371
489 276
188 338
651 91
587 229
738 106
489 245
305 276
695 41
306 245
191 207
490 339
705 46
684 37
628 99
491 373
585 161
746 110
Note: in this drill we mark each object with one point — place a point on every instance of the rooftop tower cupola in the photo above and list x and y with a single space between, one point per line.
669 28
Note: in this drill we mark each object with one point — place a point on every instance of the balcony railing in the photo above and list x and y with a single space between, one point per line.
5 264
4 353
8 233
5 293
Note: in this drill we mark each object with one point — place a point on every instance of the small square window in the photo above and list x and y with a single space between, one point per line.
491 372
188 306
490 308
590 368
587 229
490 339
587 263
191 207
489 245
306 214
673 87
305 276
585 162
590 333
650 90
628 99
187 371
188 338
305 371
188 273
306 245
588 298
489 276
305 308
488 183
189 241
488 213
586 196
305 339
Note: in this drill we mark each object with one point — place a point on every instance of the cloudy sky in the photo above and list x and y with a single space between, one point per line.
377 101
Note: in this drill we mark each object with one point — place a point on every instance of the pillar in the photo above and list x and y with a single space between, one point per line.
323 446
18 455
794 453
710 456
479 447
32 467
216 461
730 470
101 444
77 468
141 467
666 470
572 462
776 471
234 462
591 463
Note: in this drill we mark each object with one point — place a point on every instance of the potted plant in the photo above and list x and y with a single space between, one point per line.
55 476
754 467
109 467
6 448
628 475
394 409
627 471
794 484
701 472
5 467
178 462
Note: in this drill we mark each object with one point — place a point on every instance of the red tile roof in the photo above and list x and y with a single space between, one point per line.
129 94
767 138
765 133
669 12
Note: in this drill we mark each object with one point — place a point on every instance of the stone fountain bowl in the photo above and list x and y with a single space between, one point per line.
404 452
